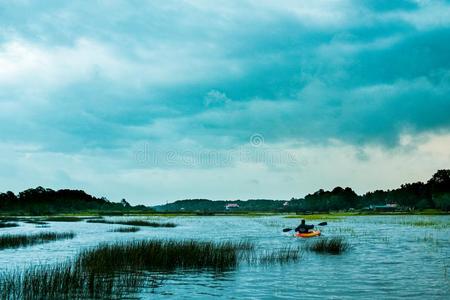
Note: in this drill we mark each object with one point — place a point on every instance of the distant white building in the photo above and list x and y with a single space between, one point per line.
231 205
286 203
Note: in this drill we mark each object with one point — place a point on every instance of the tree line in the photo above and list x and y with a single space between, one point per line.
435 193
44 201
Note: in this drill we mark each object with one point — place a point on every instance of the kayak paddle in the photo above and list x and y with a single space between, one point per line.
320 224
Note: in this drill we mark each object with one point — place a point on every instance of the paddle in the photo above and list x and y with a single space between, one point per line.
320 224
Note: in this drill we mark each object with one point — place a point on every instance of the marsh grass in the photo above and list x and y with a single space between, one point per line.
347 231
122 269
425 223
429 239
67 281
63 219
8 224
134 223
24 240
126 229
280 256
161 255
317 217
37 222
115 271
415 221
334 245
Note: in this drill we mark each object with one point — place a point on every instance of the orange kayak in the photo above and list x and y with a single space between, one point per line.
312 233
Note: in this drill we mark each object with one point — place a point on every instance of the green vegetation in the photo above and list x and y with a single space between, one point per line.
335 245
126 229
280 256
67 281
424 223
421 223
109 271
23 240
121 269
37 222
317 217
63 219
161 255
410 197
209 207
134 223
42 201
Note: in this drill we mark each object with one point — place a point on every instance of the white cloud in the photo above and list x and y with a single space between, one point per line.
24 64
118 175
431 14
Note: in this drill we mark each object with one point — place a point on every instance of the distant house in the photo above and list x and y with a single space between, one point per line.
286 203
386 207
231 205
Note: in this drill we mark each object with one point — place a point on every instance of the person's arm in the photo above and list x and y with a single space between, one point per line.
309 227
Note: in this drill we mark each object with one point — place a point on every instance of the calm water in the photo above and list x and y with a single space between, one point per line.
389 258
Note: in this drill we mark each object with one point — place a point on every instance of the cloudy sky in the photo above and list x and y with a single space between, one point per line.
155 101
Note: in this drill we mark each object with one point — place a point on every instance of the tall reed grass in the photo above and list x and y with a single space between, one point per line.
161 255
37 222
115 271
63 219
281 256
134 223
67 281
334 245
126 229
23 240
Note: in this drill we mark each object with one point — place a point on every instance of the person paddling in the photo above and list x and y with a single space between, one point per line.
303 228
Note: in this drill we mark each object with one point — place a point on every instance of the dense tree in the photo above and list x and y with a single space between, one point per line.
433 194
440 188
40 201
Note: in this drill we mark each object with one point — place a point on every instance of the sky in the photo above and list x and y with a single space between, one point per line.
154 101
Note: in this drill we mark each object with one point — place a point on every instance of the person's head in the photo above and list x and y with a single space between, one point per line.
303 221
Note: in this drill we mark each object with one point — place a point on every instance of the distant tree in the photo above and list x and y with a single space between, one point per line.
442 201
38 201
125 203
440 182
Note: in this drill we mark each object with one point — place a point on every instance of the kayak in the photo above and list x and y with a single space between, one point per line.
312 233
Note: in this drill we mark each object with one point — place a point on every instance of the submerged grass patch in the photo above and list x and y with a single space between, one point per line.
126 229
134 223
334 245
280 256
315 217
63 219
37 222
23 240
8 224
425 223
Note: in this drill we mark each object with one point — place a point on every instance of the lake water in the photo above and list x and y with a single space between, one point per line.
390 257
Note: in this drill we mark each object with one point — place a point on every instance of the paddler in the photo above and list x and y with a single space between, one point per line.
303 228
